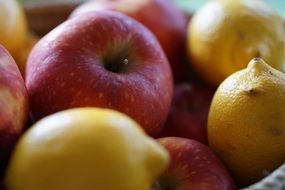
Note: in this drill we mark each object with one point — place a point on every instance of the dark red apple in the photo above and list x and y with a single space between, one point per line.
167 22
193 166
13 106
102 59
189 111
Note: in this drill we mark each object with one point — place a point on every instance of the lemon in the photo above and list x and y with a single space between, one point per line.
223 36
21 56
13 25
246 121
85 148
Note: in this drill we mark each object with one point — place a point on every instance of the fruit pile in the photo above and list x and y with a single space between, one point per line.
138 95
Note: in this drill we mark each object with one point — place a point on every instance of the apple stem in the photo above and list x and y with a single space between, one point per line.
117 60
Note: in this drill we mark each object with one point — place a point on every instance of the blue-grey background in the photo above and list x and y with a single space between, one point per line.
186 5
191 5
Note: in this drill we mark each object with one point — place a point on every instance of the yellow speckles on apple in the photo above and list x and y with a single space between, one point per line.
72 103
84 31
183 167
126 95
91 43
100 95
179 155
208 162
79 80
53 93
62 84
78 94
103 27
72 74
146 122
196 158
48 98
193 172
18 83
197 151
5 60
13 108
127 110
132 98
86 99
72 89
201 165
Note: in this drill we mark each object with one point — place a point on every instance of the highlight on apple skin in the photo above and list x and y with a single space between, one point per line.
13 106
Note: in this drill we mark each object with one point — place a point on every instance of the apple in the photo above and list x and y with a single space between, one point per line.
193 166
104 59
189 111
167 22
13 106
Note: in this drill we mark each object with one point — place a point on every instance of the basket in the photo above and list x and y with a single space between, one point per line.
44 17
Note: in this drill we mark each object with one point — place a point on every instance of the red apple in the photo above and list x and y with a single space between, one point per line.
189 111
193 166
13 105
104 59
162 17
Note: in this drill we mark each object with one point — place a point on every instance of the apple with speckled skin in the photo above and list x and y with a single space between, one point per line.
104 59
167 22
193 166
13 106
189 109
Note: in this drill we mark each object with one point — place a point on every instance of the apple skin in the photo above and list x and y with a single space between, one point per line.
189 111
167 22
13 106
193 166
104 59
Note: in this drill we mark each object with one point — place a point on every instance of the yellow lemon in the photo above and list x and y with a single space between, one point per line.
246 122
88 149
13 25
224 35
21 56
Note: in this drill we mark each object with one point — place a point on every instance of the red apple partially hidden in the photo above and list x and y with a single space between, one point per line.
167 22
193 166
189 111
13 106
102 59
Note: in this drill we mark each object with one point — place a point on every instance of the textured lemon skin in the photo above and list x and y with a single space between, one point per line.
223 36
246 122
85 148
13 25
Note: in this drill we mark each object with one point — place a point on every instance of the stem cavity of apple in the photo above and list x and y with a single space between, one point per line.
117 59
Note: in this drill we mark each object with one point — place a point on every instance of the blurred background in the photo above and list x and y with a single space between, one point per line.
186 5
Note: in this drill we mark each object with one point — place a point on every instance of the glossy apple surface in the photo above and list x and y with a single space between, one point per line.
104 59
13 106
189 111
193 166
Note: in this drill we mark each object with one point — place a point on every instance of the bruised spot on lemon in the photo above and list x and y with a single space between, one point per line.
85 148
246 122
223 36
